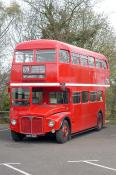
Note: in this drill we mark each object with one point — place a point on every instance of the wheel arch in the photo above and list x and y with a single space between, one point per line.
67 118
102 114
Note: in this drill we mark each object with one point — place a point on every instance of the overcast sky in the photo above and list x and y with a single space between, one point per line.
109 8
106 6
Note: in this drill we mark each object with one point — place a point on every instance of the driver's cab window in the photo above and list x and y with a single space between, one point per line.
37 95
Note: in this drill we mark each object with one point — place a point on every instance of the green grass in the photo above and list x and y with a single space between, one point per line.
4 121
4 117
112 121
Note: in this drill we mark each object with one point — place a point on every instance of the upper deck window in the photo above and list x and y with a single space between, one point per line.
46 55
24 56
104 64
98 63
64 56
83 60
91 61
75 58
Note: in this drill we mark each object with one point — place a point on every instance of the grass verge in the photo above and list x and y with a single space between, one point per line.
4 117
112 121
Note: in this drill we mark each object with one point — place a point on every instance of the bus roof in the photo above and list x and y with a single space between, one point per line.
52 44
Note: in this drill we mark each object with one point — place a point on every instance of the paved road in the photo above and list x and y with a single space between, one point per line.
44 156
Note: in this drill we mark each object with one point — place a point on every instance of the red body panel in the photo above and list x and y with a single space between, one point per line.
33 119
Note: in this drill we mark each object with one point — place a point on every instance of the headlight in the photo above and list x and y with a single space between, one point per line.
13 122
51 123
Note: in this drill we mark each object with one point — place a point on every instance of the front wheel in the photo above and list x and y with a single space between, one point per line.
17 136
99 122
63 134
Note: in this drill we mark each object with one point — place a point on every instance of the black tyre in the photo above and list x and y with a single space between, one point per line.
99 122
63 135
17 136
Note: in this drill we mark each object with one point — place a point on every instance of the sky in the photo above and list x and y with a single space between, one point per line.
108 7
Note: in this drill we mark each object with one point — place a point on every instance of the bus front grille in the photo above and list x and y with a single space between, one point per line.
31 125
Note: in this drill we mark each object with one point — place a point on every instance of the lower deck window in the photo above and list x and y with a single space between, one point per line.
20 96
58 97
85 95
76 97
37 96
93 96
99 95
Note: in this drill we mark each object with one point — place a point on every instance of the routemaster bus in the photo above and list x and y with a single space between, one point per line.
56 88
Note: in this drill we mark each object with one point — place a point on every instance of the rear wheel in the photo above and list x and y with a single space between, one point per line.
17 136
99 122
63 135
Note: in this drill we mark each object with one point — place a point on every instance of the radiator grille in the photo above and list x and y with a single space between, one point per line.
31 125
37 125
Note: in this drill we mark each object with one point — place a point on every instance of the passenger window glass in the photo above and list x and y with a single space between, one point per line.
98 63
64 56
24 56
99 96
93 96
58 97
37 96
104 64
20 96
76 97
84 96
91 61
75 58
83 60
46 55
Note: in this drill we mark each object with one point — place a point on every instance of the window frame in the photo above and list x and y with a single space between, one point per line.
82 97
40 90
21 62
83 57
98 99
63 103
90 97
92 66
55 55
75 92
103 62
77 58
20 99
66 51
96 61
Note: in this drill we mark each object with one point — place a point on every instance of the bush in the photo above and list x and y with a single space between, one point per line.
4 100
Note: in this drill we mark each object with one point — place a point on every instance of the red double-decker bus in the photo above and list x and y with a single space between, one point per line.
56 88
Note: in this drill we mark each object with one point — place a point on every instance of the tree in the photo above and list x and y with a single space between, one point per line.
72 21
7 17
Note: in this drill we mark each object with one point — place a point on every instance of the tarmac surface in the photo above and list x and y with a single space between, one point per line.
91 153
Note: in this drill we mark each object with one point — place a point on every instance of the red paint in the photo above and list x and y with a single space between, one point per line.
34 118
